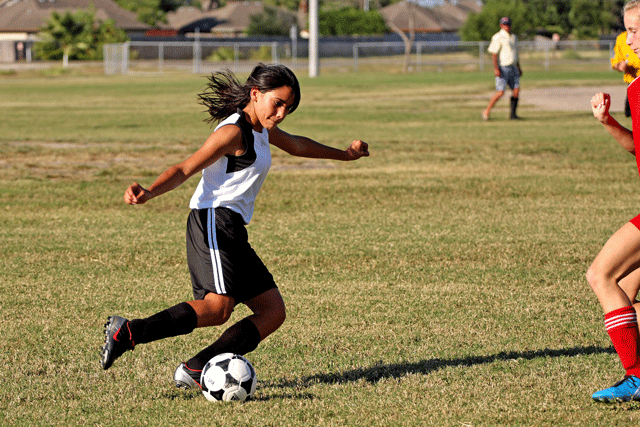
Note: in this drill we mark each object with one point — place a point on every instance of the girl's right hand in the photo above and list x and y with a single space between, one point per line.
600 104
136 195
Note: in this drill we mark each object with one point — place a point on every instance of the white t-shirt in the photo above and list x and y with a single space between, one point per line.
505 46
234 181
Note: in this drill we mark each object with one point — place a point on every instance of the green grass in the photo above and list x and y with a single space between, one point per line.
438 282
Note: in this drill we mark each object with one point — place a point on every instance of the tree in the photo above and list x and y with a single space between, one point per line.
407 40
577 18
271 22
76 36
349 21
550 16
482 25
591 18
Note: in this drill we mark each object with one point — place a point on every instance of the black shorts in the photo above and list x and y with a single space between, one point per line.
220 258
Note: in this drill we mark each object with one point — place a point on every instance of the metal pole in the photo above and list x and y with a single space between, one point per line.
125 58
293 33
236 56
547 57
355 57
196 52
313 38
105 58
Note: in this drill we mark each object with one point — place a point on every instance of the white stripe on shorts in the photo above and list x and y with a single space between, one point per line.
216 265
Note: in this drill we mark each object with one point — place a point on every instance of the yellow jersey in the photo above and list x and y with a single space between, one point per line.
622 52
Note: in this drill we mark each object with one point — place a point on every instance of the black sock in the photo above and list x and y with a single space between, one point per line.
240 338
514 106
177 320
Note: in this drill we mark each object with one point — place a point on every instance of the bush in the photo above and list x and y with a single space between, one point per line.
350 21
271 22
571 54
222 54
263 53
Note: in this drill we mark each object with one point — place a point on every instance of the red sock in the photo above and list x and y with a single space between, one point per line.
622 327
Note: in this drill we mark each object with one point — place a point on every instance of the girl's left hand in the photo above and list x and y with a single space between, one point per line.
357 149
136 195
600 104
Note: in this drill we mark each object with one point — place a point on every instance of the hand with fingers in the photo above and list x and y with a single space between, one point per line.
136 194
357 149
600 104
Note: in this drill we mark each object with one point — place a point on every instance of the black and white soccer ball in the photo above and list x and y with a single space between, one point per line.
228 377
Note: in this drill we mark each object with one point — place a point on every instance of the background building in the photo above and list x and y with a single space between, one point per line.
21 20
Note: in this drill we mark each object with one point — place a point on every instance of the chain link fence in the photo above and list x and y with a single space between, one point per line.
139 57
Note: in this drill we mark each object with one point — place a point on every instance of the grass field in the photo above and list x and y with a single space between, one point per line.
439 282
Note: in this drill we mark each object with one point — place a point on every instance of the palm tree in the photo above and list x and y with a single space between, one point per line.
76 36
66 33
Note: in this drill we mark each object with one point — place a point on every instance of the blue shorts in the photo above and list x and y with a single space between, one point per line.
509 76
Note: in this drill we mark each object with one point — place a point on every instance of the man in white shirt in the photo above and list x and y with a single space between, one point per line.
504 50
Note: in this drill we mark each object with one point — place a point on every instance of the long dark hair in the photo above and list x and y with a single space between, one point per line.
224 94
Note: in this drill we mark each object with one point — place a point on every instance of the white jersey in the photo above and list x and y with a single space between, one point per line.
234 181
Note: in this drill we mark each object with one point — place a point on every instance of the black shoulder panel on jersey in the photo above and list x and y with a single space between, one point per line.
237 163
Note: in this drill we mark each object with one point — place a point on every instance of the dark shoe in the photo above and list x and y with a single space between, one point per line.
186 378
117 340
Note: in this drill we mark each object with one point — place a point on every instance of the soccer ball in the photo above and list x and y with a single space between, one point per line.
228 377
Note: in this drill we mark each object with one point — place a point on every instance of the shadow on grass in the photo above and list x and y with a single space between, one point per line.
397 370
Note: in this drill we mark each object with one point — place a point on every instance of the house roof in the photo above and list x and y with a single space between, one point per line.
459 11
234 17
448 17
469 5
187 18
29 16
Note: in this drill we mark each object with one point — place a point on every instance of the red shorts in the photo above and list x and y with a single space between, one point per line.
636 221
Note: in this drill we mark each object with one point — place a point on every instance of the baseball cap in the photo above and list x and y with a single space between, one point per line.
505 21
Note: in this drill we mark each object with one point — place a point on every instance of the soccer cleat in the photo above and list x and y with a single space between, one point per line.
625 390
186 378
117 340
485 116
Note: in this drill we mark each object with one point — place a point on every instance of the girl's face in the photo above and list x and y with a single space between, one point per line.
272 107
632 24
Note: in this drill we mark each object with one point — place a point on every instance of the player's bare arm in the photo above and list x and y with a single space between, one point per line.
225 141
301 146
600 104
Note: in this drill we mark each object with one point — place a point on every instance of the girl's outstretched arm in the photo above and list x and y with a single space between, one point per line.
301 146
600 104
226 140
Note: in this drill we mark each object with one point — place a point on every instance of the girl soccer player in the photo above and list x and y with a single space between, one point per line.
614 275
224 268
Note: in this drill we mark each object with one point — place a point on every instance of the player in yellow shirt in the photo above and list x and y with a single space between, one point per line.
627 62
